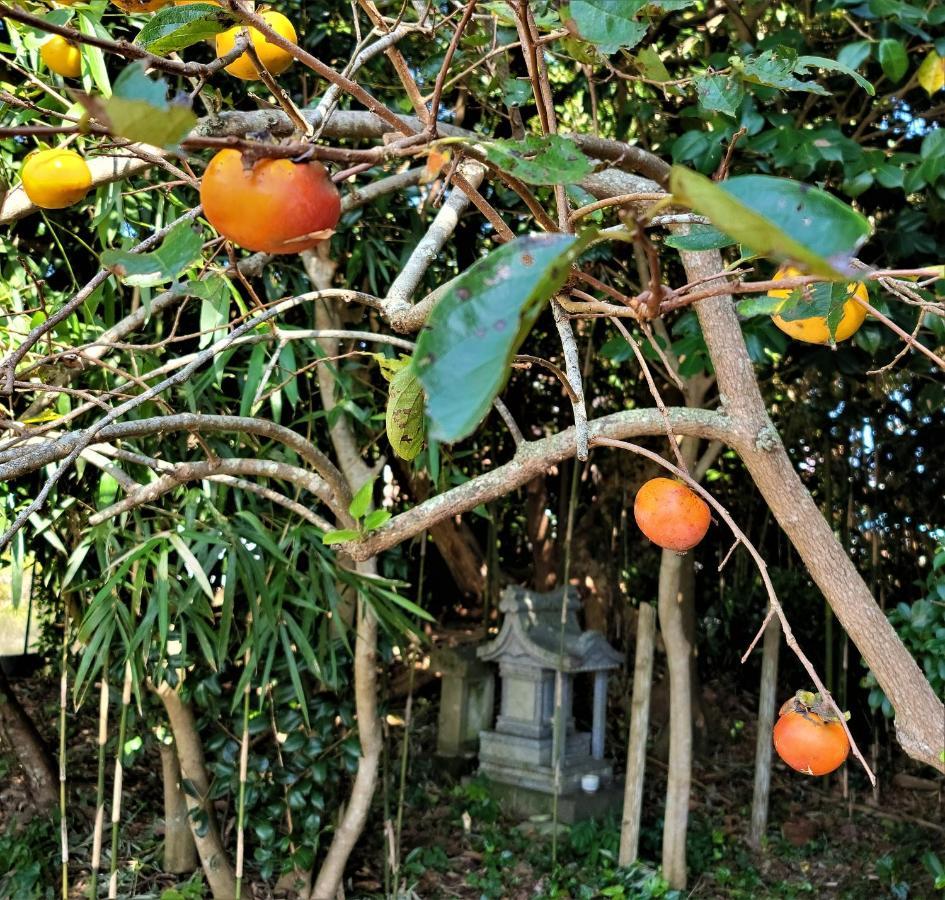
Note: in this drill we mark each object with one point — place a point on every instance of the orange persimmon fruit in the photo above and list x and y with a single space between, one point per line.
272 206
671 515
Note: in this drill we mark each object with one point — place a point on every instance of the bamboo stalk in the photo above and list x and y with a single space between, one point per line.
119 776
63 694
100 784
244 767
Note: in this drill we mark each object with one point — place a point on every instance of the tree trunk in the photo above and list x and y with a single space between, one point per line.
180 852
636 744
920 715
29 748
539 534
767 704
193 769
369 733
678 656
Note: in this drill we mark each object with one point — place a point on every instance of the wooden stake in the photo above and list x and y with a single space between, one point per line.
636 744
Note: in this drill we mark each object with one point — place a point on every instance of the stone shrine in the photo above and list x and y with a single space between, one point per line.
518 755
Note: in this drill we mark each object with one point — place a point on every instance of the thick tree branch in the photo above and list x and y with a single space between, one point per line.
532 459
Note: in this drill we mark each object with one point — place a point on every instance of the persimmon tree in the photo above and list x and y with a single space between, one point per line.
198 432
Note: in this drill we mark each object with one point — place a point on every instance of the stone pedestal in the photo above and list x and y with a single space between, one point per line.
467 696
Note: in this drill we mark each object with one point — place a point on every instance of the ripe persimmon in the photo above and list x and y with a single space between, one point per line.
274 206
273 58
55 179
814 330
809 738
671 514
61 57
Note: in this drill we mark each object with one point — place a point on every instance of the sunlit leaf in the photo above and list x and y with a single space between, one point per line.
778 218
931 74
138 110
610 25
181 247
404 416
176 27
548 159
465 350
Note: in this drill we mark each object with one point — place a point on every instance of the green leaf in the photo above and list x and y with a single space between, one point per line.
465 350
362 500
181 247
700 237
776 71
551 159
214 307
893 58
375 519
651 66
340 536
762 305
832 65
176 27
778 218
609 24
720 93
192 564
404 418
94 56
139 111
854 55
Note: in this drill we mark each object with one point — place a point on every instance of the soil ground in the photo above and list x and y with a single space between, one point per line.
825 840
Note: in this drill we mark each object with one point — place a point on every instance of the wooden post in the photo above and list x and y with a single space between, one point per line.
767 704
636 744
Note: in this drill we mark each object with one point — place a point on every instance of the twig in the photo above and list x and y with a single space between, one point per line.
775 604
121 48
654 392
447 60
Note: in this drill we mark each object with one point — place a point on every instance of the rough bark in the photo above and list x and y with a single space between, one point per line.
180 852
920 715
636 744
767 703
193 769
29 748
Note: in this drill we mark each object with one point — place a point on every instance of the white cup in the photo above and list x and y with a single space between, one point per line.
590 783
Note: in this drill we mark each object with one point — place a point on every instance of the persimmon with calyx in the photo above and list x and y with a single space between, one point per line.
814 329
671 514
272 205
55 179
273 58
61 57
809 737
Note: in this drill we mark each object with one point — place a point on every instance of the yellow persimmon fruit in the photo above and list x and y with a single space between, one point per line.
55 179
273 58
61 57
814 330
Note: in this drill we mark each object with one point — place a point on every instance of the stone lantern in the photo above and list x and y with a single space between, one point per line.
518 754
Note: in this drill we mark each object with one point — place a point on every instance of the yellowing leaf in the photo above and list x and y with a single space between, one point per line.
931 74
436 160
